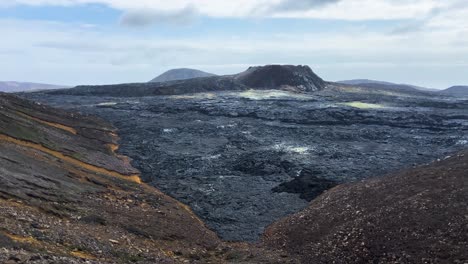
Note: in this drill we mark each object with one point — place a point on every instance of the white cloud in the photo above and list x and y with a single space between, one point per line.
323 9
147 17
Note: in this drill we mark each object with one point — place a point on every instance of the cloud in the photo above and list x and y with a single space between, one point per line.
147 17
442 17
301 5
318 9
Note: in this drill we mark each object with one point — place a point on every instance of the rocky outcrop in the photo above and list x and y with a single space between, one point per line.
181 74
283 77
416 216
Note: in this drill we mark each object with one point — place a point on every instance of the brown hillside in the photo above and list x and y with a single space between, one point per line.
416 216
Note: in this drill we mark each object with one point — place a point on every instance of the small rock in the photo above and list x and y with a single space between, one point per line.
113 241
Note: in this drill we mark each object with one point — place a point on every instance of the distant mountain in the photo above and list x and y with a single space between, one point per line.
281 77
181 74
12 87
361 81
456 91
383 84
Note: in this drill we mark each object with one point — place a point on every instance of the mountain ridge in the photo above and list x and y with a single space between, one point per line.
282 77
14 86
376 83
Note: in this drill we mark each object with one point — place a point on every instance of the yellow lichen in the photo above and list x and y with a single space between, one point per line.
168 253
269 94
363 105
21 239
81 254
195 96
113 147
56 125
73 161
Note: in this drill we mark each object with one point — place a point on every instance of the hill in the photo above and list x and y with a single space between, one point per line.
13 87
181 74
416 216
456 91
282 77
361 81
383 84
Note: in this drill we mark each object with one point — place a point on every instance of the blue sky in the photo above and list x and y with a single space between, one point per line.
71 42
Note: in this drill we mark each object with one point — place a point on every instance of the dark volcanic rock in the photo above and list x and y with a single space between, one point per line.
181 74
287 77
208 84
308 184
223 153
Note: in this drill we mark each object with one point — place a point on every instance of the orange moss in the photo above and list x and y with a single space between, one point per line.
20 239
81 254
113 147
32 241
133 178
56 125
168 253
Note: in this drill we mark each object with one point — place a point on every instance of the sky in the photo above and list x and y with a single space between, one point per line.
72 42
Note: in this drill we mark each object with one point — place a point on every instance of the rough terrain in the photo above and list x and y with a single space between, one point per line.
242 159
67 197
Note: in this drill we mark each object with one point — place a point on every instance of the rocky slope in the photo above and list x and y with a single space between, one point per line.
67 197
282 77
415 216
181 74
